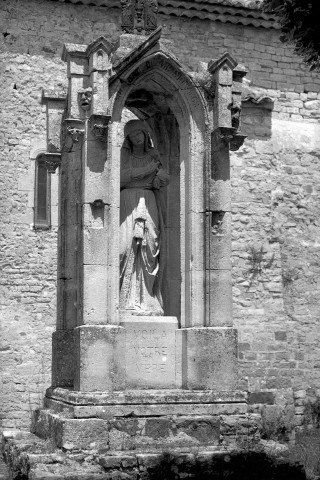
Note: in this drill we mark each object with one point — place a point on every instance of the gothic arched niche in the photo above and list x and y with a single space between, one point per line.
157 91
152 107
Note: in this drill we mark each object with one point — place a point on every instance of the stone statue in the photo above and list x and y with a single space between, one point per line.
142 217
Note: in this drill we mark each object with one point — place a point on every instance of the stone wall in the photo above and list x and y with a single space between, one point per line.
275 197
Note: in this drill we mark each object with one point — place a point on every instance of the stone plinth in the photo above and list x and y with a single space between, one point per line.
209 358
99 358
150 351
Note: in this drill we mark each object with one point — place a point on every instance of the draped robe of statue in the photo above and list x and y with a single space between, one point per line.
142 217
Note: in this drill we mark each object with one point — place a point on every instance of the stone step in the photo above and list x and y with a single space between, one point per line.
109 411
126 433
34 459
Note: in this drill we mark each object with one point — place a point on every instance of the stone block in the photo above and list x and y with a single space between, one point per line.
219 297
218 240
95 234
204 429
71 433
55 112
157 427
110 461
219 196
95 294
209 358
99 358
109 410
150 351
96 171
63 358
266 398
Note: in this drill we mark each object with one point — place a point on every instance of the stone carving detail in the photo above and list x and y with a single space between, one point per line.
227 136
85 98
151 15
237 141
235 116
75 133
221 136
142 229
99 125
139 16
52 161
217 222
127 22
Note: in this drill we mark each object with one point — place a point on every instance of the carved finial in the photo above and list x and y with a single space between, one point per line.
139 16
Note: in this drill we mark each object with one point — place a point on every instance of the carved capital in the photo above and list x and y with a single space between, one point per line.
99 126
237 141
75 133
221 137
227 137
52 161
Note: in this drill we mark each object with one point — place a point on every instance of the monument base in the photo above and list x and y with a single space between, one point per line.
130 434
138 419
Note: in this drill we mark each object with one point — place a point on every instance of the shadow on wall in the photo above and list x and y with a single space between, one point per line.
256 120
239 466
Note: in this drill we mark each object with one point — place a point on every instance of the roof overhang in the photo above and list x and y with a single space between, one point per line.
243 12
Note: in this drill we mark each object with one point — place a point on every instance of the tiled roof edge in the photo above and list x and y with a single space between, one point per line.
244 12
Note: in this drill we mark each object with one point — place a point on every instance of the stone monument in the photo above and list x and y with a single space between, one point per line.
145 353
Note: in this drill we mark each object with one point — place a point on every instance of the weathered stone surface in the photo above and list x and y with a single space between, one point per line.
126 433
219 298
147 397
218 238
150 351
205 430
162 409
99 365
95 294
199 461
266 398
63 358
209 358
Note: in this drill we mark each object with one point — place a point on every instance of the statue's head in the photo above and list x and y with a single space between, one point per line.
137 132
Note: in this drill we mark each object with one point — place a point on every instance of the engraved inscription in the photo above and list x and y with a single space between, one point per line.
149 350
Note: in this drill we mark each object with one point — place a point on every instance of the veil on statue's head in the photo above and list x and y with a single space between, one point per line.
134 125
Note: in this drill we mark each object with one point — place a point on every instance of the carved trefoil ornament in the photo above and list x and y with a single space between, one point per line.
139 16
